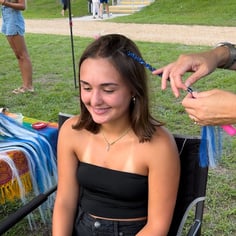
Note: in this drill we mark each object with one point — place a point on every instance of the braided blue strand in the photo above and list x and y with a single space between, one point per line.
148 66
140 60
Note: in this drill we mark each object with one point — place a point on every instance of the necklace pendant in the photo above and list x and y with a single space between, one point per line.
108 147
109 144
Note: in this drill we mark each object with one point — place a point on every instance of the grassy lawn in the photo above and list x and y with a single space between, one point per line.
200 12
55 91
52 8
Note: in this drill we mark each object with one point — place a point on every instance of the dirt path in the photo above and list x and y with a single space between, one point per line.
85 26
190 35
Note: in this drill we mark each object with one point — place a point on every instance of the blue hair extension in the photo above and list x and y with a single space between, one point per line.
203 147
211 146
140 60
211 136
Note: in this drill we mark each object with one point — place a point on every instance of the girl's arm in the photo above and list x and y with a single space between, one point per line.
68 188
164 172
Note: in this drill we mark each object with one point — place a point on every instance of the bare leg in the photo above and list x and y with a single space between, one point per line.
107 10
101 11
18 45
94 5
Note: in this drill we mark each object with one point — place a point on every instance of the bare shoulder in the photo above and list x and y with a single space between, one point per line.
72 119
72 141
164 137
68 123
162 157
67 131
163 146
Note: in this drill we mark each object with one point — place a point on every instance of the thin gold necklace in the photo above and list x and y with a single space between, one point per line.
109 144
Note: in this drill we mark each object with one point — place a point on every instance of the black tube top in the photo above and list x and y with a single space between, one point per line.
112 194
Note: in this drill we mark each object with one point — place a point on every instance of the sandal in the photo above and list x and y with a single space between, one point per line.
23 90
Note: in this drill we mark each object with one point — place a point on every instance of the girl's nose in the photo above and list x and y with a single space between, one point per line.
96 98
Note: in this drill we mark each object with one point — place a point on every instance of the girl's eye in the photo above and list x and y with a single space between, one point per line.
87 88
108 90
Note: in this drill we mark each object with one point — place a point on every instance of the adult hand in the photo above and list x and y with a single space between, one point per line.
214 107
200 64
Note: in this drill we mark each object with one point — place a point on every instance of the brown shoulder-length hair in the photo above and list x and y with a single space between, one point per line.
114 47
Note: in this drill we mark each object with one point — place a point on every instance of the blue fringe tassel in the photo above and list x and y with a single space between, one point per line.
43 159
211 146
39 154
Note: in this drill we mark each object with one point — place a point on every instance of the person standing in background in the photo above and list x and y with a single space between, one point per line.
64 6
13 26
104 2
95 8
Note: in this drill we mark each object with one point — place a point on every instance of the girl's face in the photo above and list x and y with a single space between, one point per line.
103 91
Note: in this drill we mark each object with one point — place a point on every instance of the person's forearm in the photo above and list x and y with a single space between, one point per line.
222 56
225 54
62 222
15 5
232 110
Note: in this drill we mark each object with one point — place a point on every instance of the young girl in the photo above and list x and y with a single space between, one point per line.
118 167
13 27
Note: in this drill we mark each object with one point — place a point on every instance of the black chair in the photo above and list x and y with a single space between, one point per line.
191 193
192 188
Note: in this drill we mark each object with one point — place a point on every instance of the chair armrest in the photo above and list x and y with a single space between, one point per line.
194 228
191 205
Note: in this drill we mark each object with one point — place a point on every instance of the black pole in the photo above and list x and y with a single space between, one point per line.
72 43
18 215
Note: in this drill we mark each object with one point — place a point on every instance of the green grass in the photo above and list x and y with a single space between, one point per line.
55 91
52 9
190 12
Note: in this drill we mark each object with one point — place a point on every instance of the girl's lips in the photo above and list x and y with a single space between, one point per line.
100 111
